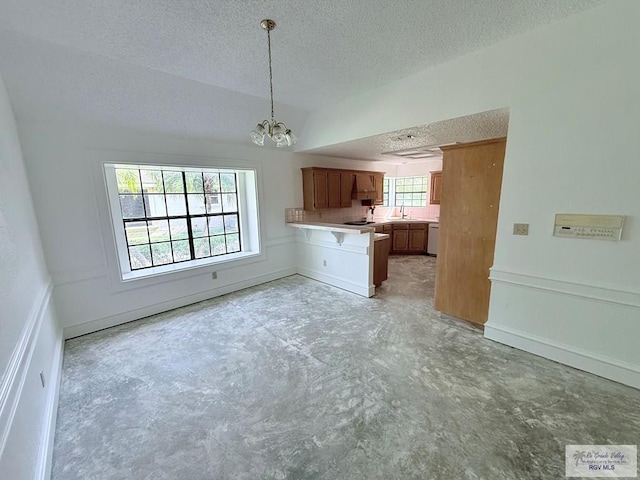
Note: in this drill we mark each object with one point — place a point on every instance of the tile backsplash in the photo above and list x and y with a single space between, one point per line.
357 212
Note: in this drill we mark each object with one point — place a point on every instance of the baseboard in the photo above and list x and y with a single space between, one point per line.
574 357
14 376
114 320
45 457
365 291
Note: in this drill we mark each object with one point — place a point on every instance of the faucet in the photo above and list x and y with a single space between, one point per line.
404 215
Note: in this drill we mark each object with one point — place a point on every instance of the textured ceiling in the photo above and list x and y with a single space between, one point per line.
204 62
470 128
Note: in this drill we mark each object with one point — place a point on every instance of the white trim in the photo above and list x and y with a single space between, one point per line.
16 371
138 313
100 156
77 276
283 240
365 291
575 357
591 292
45 457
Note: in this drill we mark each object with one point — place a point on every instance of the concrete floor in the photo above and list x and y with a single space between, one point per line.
295 379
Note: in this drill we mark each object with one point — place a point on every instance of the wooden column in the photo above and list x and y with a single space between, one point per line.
472 180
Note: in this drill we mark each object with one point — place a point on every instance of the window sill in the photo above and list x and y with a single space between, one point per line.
178 271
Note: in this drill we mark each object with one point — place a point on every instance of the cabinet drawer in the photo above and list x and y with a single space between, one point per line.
387 228
418 226
401 226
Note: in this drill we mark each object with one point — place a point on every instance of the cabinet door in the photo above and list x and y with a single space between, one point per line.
417 240
379 184
333 189
346 189
436 188
320 190
400 240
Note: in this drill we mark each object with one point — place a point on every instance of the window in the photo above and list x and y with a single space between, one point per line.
407 191
165 216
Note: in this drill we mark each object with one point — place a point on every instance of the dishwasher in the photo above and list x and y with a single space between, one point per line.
432 242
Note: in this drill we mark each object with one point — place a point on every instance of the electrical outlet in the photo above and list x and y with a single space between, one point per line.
214 275
42 378
521 229
324 263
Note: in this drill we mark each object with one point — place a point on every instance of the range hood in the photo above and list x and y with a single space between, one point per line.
364 188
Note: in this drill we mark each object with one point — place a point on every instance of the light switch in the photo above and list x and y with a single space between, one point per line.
521 229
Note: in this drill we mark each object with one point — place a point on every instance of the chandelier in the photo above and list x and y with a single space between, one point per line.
276 131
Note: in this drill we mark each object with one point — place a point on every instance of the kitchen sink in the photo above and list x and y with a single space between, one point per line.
358 222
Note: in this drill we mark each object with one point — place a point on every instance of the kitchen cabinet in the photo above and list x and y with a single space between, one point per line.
321 190
335 188
381 247
346 187
409 238
468 221
417 238
436 188
378 181
400 240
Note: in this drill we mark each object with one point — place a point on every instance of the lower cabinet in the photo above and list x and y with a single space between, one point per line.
410 238
381 260
400 240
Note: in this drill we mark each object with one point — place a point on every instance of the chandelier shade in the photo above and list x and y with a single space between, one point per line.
276 131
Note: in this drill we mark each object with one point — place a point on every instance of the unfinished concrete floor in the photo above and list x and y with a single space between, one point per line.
295 379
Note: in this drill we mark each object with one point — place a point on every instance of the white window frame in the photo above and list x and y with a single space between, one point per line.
251 227
392 191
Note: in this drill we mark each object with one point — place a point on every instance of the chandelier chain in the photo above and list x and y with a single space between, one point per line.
270 75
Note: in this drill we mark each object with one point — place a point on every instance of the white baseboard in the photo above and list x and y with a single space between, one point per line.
45 457
364 290
125 317
574 357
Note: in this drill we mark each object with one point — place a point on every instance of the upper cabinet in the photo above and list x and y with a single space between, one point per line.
436 188
335 188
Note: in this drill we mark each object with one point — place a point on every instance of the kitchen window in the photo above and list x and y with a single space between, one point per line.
407 191
168 218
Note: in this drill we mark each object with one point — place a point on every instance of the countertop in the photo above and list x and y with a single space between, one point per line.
355 229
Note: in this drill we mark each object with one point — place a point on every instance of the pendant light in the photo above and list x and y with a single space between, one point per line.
276 131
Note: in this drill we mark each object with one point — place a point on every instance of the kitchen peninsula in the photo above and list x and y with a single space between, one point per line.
354 257
340 255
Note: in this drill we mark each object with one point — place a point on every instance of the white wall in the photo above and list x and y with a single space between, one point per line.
30 339
572 91
63 164
345 261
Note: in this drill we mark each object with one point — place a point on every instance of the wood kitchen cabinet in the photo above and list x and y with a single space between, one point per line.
400 240
436 188
378 181
468 221
381 249
417 238
409 238
346 187
399 237
335 188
